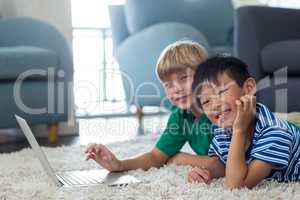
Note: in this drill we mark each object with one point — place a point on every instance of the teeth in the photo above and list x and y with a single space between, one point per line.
180 98
222 114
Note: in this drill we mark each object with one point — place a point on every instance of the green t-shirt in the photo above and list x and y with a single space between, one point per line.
183 127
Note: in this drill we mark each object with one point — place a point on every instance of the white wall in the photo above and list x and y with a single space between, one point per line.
55 12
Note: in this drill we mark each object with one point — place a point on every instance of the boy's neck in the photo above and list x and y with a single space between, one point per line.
195 112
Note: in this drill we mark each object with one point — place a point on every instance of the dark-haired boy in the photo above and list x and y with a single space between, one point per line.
249 140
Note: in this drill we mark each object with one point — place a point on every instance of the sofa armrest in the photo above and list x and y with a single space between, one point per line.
258 26
25 31
118 24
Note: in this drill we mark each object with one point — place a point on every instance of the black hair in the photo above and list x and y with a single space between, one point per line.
213 67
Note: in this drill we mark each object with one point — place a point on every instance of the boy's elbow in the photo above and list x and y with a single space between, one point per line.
231 184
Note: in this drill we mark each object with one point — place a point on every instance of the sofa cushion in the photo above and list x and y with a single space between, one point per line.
293 117
280 54
214 18
139 54
17 59
279 93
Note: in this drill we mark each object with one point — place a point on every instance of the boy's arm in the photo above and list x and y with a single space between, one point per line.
154 158
238 173
215 166
104 157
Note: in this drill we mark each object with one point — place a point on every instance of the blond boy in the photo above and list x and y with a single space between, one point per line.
175 69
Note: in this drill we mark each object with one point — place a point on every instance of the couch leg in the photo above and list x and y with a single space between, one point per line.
52 133
140 116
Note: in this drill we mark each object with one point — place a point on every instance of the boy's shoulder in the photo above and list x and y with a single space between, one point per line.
267 121
173 108
177 111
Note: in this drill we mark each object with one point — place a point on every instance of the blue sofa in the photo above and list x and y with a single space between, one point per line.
141 29
25 45
268 40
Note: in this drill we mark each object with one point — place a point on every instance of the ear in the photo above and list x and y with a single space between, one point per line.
249 86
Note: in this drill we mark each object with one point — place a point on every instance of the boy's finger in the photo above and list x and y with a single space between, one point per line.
200 179
189 176
245 102
192 175
204 175
208 177
88 147
198 170
100 147
195 169
253 101
250 100
191 179
239 106
91 147
89 156
197 177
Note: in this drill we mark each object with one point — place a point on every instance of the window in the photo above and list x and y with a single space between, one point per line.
97 83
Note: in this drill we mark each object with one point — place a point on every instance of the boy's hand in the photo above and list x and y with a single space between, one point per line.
246 109
199 175
103 156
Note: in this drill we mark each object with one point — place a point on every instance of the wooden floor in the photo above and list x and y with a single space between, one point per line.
20 143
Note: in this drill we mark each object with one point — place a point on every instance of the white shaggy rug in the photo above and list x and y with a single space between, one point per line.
22 177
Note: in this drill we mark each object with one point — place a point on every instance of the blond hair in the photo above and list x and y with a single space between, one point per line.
178 56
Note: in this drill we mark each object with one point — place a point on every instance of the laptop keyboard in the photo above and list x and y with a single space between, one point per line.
81 177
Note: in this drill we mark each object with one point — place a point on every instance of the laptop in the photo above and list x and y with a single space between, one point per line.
74 178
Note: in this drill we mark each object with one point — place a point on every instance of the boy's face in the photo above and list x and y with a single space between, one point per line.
219 102
178 88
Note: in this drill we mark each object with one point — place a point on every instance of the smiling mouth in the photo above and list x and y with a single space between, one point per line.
223 114
181 99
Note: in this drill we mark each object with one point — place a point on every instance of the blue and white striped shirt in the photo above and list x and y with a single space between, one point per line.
274 141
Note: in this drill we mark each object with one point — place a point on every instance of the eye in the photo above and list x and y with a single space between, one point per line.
205 102
184 77
167 85
223 91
